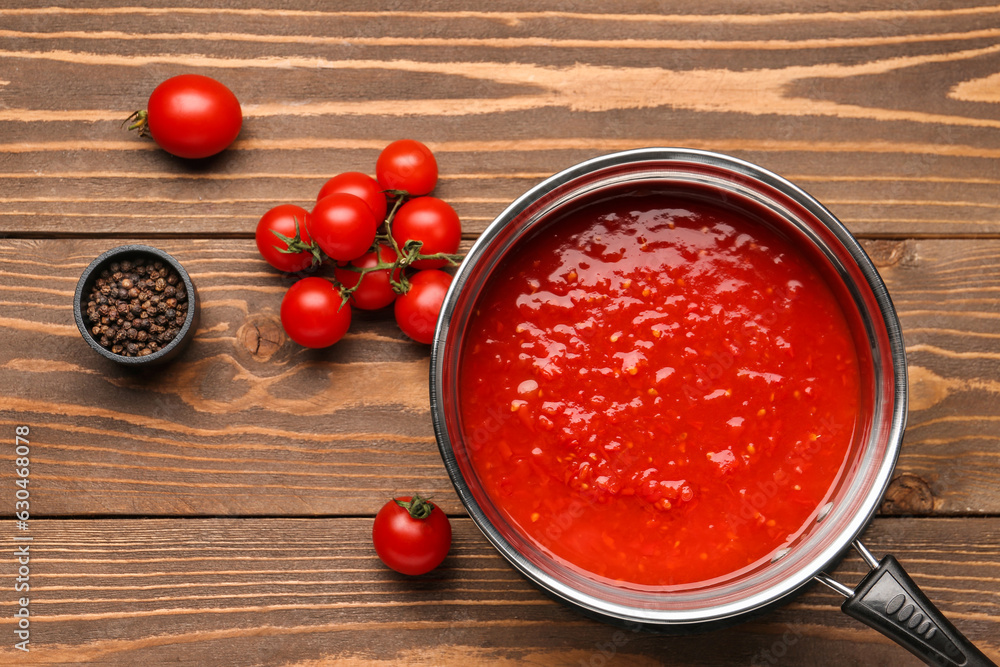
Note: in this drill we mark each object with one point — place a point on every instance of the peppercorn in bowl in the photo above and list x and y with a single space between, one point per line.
136 305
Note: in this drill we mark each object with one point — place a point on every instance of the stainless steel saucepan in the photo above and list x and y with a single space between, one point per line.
887 599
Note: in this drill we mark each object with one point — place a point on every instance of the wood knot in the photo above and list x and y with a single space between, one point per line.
893 253
908 494
261 336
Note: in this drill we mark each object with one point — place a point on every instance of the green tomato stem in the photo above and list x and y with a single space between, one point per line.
405 256
419 508
139 121
295 245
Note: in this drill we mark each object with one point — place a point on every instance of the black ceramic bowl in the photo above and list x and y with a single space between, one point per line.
131 253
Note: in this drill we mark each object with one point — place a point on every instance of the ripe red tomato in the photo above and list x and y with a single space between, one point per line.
412 536
343 226
287 220
360 185
417 311
311 313
407 165
193 116
375 290
432 221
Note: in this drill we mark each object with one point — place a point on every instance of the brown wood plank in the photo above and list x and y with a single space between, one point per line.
946 300
218 511
311 591
248 423
888 116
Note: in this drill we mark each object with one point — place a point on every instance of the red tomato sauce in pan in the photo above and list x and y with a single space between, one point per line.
658 390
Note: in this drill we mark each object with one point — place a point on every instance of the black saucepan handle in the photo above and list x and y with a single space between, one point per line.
889 601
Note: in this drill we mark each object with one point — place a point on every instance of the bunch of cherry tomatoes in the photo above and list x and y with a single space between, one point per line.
386 236
388 239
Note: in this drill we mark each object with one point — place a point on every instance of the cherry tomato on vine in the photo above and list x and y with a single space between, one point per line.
411 535
407 165
190 116
360 185
312 315
417 311
432 221
289 221
375 290
343 225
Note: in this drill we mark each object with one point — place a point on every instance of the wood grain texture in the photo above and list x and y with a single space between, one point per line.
310 592
888 116
217 511
248 423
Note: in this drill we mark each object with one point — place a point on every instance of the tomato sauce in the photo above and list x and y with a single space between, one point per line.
658 390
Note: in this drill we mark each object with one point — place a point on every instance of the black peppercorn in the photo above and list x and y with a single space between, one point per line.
134 307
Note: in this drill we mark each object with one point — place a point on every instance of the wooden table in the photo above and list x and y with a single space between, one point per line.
219 511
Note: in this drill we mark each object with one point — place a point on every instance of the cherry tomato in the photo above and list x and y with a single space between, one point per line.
417 311
407 165
311 313
193 116
343 226
432 221
360 185
411 535
287 220
376 290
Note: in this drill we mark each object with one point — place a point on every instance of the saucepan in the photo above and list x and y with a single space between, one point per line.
886 599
